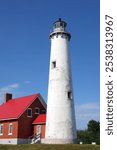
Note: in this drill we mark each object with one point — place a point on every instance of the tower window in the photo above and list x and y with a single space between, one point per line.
61 24
62 36
69 94
53 64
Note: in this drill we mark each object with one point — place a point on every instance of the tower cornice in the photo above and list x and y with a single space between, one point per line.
60 33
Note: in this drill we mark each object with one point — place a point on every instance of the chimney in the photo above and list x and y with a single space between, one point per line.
7 97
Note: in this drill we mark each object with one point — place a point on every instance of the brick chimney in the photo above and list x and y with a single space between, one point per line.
7 97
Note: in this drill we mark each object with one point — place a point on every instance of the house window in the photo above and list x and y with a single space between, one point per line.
10 130
69 94
43 111
36 110
1 129
53 64
29 112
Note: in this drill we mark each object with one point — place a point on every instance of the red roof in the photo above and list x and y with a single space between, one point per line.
15 107
40 119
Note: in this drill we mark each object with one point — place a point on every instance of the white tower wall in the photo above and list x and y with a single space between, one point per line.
60 122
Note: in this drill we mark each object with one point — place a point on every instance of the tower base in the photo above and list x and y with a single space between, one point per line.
59 141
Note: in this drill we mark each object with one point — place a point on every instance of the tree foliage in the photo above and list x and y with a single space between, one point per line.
91 134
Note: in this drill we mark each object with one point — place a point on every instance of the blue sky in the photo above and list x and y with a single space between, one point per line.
25 50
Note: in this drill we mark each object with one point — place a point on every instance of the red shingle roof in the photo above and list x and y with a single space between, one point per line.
15 107
40 119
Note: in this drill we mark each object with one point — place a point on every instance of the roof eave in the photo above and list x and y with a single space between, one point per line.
39 123
6 119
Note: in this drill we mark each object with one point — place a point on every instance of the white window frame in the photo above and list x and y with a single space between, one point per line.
38 110
31 112
1 129
10 129
38 129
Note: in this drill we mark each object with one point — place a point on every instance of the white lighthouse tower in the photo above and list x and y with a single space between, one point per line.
60 123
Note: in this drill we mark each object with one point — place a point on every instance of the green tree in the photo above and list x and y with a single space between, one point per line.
91 134
94 130
93 126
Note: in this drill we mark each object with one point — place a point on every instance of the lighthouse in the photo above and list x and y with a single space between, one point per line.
60 121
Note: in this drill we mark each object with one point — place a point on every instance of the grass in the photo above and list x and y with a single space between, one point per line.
49 147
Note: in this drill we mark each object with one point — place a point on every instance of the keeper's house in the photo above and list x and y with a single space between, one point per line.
22 119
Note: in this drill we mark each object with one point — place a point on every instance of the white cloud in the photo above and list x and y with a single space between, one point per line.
85 112
13 86
89 106
8 88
